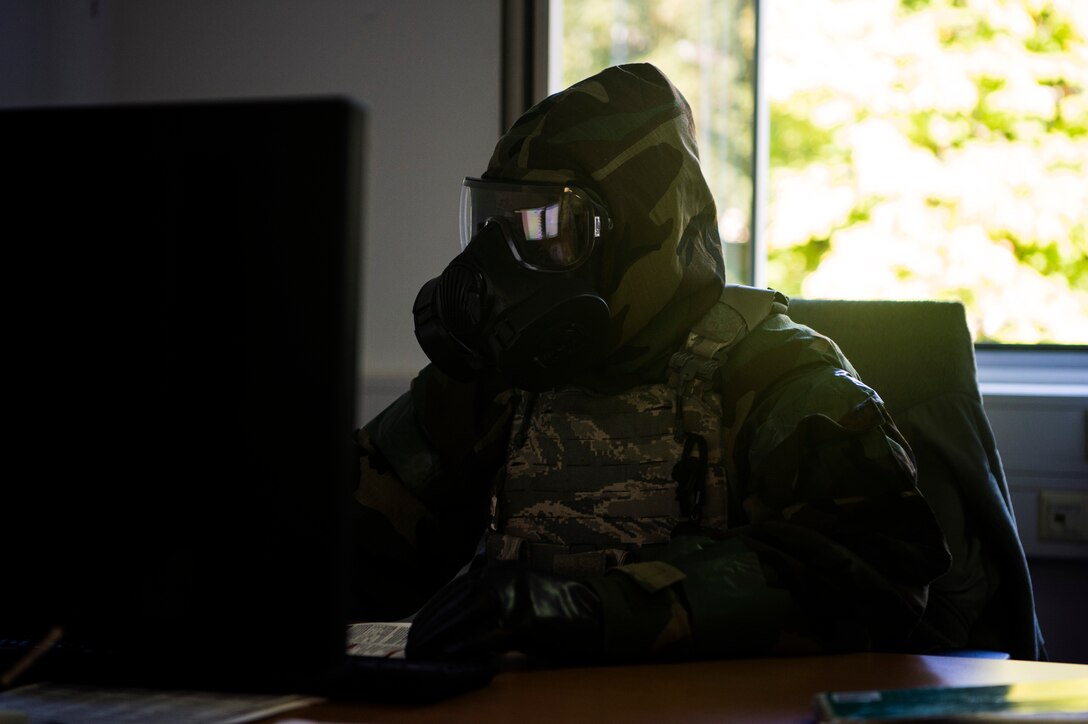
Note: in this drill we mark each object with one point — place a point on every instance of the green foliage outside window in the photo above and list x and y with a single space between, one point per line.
933 149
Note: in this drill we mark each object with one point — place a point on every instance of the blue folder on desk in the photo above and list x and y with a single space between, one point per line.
181 304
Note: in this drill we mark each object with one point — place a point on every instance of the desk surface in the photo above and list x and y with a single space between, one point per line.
748 690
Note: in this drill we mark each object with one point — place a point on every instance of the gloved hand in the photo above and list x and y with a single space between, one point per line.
508 607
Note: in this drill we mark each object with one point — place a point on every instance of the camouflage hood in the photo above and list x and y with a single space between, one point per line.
626 135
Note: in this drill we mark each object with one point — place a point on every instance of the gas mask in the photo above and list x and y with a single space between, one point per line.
520 297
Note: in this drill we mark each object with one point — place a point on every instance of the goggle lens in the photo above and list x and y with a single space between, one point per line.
554 226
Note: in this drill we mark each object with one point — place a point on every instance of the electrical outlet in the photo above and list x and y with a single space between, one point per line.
1063 516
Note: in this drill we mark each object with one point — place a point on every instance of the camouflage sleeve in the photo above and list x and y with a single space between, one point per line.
830 546
426 467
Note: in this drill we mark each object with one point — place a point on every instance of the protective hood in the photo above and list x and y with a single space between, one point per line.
627 136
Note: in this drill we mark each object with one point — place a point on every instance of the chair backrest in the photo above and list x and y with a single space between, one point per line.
919 357
908 351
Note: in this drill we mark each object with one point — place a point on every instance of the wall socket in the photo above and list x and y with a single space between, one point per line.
1063 516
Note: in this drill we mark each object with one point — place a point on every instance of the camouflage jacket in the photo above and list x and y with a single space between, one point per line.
829 547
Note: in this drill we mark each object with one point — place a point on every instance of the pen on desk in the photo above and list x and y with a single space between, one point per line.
27 660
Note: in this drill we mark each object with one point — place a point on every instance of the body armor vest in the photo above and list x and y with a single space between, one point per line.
594 480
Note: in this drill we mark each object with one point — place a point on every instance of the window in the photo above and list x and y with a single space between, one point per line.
910 149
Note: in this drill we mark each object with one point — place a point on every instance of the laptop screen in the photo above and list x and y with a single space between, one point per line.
182 291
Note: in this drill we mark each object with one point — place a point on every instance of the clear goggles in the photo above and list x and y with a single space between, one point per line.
554 226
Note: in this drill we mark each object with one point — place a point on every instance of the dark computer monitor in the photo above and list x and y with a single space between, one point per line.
181 294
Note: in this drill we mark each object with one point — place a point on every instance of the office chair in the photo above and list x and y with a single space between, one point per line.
919 358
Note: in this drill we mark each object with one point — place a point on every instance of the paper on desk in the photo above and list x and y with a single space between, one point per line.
67 704
378 639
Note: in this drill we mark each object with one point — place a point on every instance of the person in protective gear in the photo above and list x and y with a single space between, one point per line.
646 461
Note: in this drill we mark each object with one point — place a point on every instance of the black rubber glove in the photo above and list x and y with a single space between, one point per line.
508 607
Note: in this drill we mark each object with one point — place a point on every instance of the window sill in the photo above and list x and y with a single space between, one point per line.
1012 371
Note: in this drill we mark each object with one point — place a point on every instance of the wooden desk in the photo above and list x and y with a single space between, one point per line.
748 690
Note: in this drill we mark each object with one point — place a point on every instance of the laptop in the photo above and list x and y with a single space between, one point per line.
181 288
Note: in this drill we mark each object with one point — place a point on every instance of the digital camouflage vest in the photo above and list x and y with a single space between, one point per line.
595 480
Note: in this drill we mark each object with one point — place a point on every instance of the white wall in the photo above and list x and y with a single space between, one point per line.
428 72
